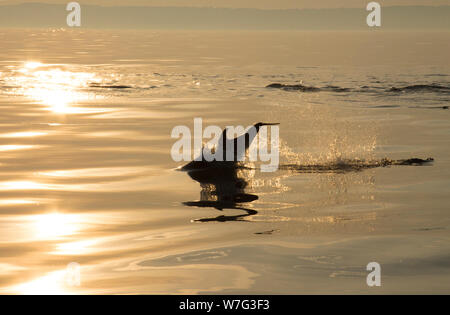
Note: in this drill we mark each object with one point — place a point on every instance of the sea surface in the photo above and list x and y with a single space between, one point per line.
91 201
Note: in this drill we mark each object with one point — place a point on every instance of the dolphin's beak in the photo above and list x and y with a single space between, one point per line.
269 124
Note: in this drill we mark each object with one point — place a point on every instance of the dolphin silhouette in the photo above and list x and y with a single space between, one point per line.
223 150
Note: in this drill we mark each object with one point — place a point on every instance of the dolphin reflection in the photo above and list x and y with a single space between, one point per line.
222 188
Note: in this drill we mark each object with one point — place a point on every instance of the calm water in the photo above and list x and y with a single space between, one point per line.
86 174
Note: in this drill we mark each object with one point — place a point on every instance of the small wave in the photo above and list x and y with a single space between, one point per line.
353 165
436 75
421 88
430 107
293 87
386 106
305 88
337 89
333 88
102 86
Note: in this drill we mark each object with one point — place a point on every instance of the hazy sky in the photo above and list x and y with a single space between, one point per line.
261 4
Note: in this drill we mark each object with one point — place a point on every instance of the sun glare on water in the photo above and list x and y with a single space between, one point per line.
53 283
54 86
54 225
32 65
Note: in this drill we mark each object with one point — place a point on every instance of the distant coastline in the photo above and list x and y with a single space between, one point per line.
93 16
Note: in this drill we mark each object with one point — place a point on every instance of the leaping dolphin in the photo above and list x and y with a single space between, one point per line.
223 150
